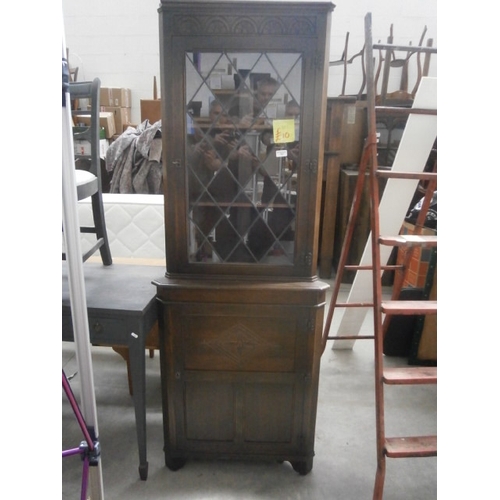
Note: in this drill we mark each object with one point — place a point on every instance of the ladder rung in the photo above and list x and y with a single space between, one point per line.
88 230
399 111
368 267
414 446
406 48
390 174
354 304
351 337
409 240
91 251
410 375
409 307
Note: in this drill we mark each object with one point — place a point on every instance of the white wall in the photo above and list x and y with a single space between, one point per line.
408 17
118 40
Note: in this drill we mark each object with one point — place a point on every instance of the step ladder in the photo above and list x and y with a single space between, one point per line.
383 310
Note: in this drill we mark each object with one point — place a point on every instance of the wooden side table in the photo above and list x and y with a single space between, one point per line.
122 310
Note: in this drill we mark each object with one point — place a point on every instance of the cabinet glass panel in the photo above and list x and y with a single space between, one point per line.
242 151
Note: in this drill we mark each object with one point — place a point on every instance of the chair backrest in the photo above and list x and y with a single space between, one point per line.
90 131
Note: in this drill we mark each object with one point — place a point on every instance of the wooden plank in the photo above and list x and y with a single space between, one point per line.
333 133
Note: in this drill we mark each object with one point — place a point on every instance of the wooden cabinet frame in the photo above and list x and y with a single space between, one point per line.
240 340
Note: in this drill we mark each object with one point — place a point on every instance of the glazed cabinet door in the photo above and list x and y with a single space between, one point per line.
243 99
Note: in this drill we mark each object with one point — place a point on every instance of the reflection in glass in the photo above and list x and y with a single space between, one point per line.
242 150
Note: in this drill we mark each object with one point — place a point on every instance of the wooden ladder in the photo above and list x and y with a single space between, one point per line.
383 310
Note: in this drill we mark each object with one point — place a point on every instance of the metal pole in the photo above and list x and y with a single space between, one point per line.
77 285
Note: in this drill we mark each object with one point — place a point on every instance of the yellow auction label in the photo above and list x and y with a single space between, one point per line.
283 131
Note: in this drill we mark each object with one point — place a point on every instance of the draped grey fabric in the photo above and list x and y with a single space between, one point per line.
135 160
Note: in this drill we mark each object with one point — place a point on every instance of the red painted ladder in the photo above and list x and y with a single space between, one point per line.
406 446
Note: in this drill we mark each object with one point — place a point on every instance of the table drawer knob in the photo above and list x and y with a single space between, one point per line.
97 327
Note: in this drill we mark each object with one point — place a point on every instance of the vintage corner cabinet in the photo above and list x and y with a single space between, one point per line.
243 87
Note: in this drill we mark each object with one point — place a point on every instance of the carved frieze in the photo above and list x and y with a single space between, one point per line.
189 25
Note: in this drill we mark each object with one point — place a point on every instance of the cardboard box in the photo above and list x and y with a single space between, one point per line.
151 110
106 121
117 97
82 146
77 130
122 117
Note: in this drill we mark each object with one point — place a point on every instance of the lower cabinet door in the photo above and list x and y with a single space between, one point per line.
240 381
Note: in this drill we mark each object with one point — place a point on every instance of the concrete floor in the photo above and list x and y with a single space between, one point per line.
344 463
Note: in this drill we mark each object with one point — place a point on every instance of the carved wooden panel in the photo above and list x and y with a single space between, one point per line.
198 25
245 342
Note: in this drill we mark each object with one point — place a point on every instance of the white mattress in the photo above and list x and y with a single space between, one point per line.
135 225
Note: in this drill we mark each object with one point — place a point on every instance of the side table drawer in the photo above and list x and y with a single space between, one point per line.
102 330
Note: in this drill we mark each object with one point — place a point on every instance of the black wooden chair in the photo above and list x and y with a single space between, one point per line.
86 135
